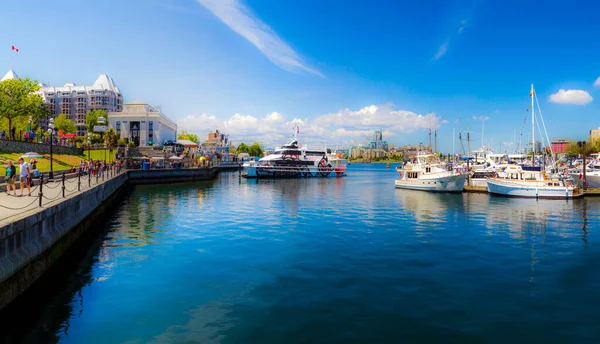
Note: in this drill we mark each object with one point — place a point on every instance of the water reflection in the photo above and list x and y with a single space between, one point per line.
347 259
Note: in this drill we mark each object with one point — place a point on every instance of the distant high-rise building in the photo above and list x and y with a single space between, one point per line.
538 147
77 101
378 142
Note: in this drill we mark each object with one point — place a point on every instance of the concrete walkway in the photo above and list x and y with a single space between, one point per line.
13 208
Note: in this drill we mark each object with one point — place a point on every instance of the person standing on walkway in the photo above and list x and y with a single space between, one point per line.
11 176
24 175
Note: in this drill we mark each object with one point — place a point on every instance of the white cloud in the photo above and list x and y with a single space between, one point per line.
344 127
578 97
445 121
463 25
274 117
441 51
480 118
240 19
597 82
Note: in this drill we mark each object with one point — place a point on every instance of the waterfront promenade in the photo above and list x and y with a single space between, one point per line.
13 208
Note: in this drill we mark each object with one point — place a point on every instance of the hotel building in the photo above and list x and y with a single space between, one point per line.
142 124
77 101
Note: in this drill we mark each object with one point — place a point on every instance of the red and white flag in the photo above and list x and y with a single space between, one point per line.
15 48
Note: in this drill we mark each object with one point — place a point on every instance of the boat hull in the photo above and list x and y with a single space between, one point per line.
528 190
286 172
451 183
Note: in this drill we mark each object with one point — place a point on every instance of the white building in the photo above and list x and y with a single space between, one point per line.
143 124
77 101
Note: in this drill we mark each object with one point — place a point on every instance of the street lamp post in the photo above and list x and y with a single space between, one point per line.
51 132
104 152
89 142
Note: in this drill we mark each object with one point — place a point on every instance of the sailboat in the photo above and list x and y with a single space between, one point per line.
517 181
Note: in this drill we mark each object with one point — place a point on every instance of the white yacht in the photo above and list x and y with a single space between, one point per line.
292 161
535 184
531 181
429 174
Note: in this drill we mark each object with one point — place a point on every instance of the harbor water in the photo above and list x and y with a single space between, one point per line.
321 261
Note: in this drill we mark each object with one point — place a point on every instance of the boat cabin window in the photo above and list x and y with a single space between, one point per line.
314 153
427 169
290 152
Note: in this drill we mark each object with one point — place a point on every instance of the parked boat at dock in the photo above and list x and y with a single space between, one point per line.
534 184
531 180
429 174
292 161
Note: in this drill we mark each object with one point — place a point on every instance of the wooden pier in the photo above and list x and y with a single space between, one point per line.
475 189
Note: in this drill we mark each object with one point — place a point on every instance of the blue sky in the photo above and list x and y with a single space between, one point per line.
338 68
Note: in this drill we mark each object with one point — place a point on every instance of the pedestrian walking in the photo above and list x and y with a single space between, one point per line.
24 175
11 176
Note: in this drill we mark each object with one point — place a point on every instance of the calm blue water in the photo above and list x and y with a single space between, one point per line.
336 260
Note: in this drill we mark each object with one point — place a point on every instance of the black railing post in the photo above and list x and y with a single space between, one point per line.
89 177
97 177
63 184
79 181
40 194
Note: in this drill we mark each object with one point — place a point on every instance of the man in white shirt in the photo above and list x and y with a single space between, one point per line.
24 175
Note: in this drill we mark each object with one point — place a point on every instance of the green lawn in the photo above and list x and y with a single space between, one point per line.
60 161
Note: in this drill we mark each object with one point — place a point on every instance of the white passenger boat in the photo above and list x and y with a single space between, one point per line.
534 184
429 175
292 161
531 181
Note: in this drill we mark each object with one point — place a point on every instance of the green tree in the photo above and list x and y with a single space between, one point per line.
64 124
242 148
111 138
17 99
573 150
184 135
91 119
255 149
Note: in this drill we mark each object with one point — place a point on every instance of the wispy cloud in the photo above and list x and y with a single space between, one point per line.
240 19
480 118
597 83
463 25
441 51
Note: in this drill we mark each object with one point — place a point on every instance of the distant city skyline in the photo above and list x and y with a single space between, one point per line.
340 70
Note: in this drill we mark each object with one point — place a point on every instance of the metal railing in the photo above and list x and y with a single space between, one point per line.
65 187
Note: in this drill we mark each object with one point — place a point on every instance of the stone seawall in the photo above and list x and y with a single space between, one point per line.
28 247
41 148
31 245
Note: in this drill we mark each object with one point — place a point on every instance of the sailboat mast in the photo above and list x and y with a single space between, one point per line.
453 142
532 127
